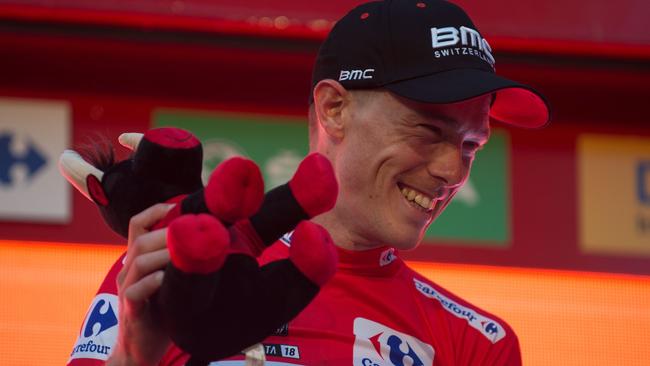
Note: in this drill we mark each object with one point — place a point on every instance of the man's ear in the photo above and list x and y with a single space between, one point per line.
330 100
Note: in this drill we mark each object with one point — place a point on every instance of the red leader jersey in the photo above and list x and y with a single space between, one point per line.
376 311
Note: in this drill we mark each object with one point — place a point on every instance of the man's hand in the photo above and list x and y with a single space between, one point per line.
141 339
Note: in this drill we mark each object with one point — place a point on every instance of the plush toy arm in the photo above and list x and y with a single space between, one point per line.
223 312
216 307
311 191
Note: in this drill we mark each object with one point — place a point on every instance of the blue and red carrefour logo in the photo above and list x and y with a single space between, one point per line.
491 329
643 182
378 345
397 356
99 331
387 257
102 315
286 238
33 159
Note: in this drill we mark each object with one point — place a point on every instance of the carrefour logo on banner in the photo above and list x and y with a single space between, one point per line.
99 331
378 345
614 193
32 135
31 159
643 193
643 181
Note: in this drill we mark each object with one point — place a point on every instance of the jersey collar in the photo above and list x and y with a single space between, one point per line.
381 261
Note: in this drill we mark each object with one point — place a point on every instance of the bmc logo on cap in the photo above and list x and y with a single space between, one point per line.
356 74
378 345
467 37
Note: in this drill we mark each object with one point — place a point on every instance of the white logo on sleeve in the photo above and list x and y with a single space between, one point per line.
488 327
387 257
99 331
378 345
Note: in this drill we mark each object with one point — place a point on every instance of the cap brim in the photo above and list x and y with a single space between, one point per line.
515 104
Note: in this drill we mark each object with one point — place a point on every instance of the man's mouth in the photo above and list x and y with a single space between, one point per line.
417 198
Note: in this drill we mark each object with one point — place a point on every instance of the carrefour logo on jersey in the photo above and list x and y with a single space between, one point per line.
378 345
99 330
488 327
286 238
387 257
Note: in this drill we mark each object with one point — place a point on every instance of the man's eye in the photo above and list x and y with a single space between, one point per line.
472 146
432 128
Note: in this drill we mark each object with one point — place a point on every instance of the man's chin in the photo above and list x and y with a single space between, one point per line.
409 244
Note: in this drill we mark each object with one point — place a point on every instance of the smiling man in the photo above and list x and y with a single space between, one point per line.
399 162
402 97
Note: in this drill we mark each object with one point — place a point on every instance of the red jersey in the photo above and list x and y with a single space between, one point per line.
376 311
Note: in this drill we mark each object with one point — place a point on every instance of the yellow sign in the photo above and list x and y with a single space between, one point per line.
614 191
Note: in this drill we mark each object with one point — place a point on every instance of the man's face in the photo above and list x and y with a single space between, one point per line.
401 162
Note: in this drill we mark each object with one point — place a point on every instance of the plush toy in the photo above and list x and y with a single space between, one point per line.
215 299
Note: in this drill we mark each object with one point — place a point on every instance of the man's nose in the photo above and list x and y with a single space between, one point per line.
447 164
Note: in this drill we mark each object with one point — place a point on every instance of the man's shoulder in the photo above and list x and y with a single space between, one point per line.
98 332
459 311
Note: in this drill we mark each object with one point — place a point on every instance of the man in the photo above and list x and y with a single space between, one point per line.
402 95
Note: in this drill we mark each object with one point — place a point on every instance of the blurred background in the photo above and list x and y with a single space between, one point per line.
552 232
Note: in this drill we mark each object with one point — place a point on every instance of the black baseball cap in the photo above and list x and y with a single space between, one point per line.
427 51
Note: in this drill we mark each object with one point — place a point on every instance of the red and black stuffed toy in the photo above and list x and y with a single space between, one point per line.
215 299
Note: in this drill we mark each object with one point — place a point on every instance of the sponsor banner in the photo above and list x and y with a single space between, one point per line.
99 330
480 212
614 191
377 345
33 133
488 327
277 145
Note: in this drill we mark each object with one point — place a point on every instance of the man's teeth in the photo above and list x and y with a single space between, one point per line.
417 197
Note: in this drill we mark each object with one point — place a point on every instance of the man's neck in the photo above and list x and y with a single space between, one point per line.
341 235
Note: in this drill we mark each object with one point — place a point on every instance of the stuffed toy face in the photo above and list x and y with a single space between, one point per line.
165 163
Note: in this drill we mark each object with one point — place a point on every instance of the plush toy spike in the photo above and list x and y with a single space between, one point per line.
311 191
241 181
76 170
314 185
130 140
197 244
